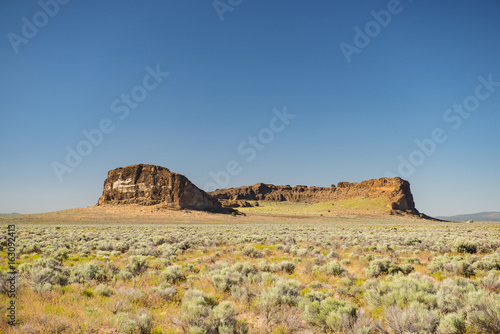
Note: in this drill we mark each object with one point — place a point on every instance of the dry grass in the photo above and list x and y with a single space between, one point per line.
207 241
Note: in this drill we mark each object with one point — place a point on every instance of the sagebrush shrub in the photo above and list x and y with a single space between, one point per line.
225 278
329 314
452 323
173 274
124 275
415 318
201 314
400 290
103 290
137 264
85 273
138 324
333 268
378 267
464 246
47 272
286 266
252 252
484 314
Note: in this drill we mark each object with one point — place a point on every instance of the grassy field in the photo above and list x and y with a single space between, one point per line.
376 205
223 274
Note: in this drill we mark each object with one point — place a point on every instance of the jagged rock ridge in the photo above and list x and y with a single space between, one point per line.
396 190
150 185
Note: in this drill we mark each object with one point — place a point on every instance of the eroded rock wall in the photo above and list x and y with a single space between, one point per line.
150 185
396 190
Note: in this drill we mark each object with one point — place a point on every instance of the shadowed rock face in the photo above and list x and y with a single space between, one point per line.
396 190
149 185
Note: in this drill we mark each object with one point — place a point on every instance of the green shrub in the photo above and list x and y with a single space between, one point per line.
224 279
137 264
345 262
201 314
85 273
274 303
367 257
165 292
48 272
315 285
330 314
400 290
452 294
452 323
484 313
144 323
491 282
332 268
124 275
416 318
488 262
139 324
173 274
457 265
380 267
287 292
125 324
251 252
88 293
406 268
287 267
466 247
103 290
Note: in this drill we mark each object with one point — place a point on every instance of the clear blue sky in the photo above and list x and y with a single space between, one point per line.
353 120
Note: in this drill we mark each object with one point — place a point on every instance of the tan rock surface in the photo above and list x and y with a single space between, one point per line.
151 185
396 190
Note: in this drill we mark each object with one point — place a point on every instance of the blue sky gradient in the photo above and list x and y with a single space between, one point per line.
353 120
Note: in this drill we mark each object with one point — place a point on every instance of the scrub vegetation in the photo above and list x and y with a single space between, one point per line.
298 277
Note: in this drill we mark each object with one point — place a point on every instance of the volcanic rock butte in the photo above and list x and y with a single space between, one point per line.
396 190
150 185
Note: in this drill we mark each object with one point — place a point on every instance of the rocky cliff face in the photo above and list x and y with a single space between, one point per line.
149 185
396 190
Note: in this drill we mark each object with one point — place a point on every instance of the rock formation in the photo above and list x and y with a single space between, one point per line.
396 190
150 185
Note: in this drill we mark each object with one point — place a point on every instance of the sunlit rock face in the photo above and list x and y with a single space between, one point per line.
150 185
395 190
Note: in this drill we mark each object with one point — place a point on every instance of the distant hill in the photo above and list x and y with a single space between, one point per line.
480 216
13 213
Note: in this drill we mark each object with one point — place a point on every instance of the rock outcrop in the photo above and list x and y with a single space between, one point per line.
396 190
150 185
